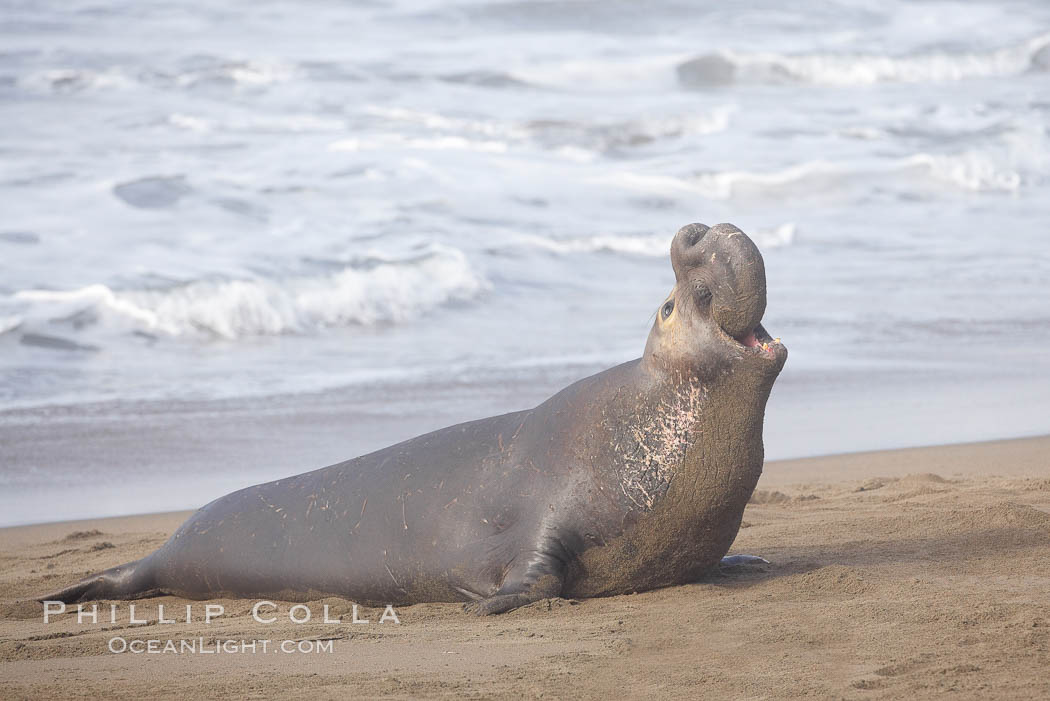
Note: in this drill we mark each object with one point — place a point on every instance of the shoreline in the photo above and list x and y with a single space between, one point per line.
911 572
98 459
964 459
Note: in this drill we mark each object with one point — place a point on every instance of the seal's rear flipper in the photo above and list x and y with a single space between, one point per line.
128 581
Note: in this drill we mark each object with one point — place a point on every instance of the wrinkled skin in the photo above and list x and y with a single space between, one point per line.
627 480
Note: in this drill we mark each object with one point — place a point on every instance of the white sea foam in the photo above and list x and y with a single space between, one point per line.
701 122
721 186
775 237
249 74
642 245
575 140
259 73
602 74
67 80
973 170
845 69
292 123
382 291
189 122
443 143
256 73
441 122
602 136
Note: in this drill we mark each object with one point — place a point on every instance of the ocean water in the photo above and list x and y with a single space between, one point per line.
211 202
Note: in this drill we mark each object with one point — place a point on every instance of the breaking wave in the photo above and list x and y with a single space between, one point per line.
202 71
972 171
844 70
590 137
367 292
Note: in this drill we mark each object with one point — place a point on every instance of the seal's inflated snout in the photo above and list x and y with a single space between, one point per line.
722 264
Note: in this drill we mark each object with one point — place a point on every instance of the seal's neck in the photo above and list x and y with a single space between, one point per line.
698 442
724 462
655 438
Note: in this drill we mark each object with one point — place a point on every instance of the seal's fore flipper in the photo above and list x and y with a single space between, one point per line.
539 576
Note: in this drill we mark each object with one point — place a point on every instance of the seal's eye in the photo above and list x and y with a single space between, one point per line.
667 308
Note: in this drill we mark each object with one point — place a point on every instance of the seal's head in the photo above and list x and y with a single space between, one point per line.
709 324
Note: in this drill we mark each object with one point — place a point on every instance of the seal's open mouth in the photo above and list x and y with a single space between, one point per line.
759 341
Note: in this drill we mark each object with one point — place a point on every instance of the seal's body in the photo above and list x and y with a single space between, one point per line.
627 480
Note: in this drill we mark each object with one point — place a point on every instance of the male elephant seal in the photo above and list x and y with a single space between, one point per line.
627 480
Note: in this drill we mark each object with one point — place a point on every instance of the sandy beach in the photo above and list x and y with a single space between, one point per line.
905 573
243 242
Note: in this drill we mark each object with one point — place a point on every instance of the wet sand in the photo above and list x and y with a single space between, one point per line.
906 573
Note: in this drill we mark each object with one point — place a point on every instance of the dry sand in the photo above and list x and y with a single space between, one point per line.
894 574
